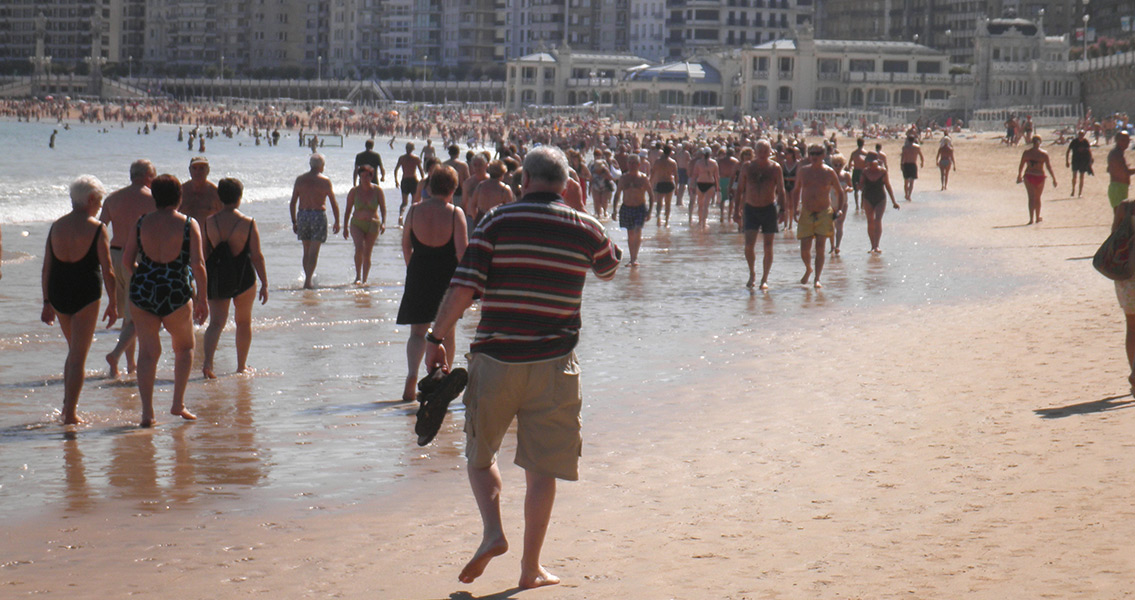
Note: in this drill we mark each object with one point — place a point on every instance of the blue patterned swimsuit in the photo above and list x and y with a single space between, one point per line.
162 288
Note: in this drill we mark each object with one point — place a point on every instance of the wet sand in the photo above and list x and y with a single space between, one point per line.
806 445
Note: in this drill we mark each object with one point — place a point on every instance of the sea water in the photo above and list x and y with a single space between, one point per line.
320 422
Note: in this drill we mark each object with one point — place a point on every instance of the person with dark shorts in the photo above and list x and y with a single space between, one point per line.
411 167
635 192
663 172
760 184
911 158
1079 157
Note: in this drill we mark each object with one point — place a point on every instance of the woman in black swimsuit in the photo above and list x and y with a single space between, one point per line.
232 274
433 241
77 248
167 247
875 184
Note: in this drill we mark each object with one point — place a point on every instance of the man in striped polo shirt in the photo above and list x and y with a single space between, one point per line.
527 261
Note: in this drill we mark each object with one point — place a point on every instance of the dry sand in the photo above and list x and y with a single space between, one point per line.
969 449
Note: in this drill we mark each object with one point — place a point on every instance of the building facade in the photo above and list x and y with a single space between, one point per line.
565 77
648 29
709 25
68 36
1016 64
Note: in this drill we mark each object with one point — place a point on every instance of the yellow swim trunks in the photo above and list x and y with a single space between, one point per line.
815 223
1116 193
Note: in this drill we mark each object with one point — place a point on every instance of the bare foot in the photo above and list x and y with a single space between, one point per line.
147 423
764 285
208 373
806 277
246 370
72 420
112 372
489 550
752 280
1038 219
183 413
818 284
540 578
410 390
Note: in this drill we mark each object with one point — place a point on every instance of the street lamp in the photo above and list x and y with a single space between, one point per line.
425 57
222 66
130 65
1086 19
950 44
319 68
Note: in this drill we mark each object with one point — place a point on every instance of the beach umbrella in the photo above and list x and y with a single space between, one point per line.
49 97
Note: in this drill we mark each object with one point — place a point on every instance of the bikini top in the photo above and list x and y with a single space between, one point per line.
371 205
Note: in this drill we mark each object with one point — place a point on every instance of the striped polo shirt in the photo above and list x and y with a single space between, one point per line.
527 261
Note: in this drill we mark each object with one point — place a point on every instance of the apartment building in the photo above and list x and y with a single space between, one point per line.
695 25
68 31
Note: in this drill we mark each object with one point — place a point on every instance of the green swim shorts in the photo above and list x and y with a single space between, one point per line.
1116 193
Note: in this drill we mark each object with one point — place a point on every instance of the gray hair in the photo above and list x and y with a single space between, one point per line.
316 161
141 168
546 164
83 187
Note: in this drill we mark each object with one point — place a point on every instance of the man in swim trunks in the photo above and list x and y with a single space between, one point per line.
760 185
635 191
662 174
310 193
1079 157
199 197
411 167
1118 170
858 162
911 152
122 209
815 182
462 170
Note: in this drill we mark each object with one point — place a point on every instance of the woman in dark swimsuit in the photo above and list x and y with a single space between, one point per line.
232 275
77 248
875 185
166 246
433 241
788 169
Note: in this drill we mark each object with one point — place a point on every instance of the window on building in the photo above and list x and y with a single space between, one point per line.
929 66
896 66
827 65
785 64
861 65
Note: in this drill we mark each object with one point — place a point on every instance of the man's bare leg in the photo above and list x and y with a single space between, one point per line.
768 239
751 257
125 346
806 256
486 484
538 501
634 241
820 257
310 258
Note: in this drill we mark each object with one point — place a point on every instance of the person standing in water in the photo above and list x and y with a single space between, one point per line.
72 285
815 182
310 194
759 188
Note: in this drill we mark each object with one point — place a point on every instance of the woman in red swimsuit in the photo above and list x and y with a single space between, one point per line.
1031 172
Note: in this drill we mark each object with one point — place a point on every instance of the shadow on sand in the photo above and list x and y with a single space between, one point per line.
509 594
1096 406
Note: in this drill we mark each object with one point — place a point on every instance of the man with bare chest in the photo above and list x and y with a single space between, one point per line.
199 197
815 183
635 191
662 174
760 185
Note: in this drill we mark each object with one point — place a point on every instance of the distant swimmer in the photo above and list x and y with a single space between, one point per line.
1078 156
411 167
308 209
815 183
876 185
1031 171
77 253
760 187
910 160
1118 170
945 159
51 142
638 202
199 197
663 175
121 210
